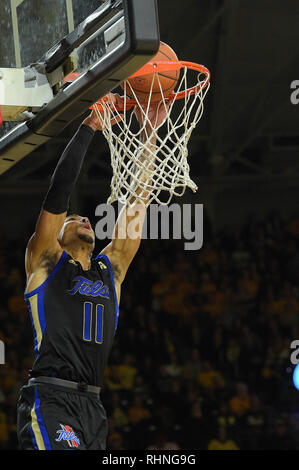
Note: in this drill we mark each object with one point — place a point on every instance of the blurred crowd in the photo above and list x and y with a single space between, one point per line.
201 358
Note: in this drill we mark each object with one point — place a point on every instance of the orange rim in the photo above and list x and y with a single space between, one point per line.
156 67
166 66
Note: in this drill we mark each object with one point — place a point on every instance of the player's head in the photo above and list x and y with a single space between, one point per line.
76 229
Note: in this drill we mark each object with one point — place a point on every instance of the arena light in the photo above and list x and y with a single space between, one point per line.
296 377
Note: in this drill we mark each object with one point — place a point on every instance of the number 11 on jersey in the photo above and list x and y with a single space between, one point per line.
88 308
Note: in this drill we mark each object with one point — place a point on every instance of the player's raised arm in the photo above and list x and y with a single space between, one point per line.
44 245
44 242
128 229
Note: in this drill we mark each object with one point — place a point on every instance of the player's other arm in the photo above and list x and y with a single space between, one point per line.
128 229
126 240
43 247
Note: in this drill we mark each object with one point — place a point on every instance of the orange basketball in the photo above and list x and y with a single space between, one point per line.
167 80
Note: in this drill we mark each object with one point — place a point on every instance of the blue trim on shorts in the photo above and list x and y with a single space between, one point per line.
41 422
33 437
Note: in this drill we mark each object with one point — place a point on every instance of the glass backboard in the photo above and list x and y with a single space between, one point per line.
32 27
120 37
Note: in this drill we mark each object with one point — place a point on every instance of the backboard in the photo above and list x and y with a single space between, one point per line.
104 41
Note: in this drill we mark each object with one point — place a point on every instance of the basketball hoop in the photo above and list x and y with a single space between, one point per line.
163 168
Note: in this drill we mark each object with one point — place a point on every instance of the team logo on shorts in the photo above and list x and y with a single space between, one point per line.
66 433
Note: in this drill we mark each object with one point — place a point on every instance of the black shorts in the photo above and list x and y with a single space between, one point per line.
52 417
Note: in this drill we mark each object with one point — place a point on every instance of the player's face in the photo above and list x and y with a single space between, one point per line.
76 227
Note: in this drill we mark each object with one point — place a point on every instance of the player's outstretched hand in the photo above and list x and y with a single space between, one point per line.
97 119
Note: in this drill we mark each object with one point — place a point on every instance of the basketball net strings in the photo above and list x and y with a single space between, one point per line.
141 170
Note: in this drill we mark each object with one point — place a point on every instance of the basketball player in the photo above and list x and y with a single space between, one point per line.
73 298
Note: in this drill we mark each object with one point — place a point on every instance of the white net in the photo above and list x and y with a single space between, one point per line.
150 160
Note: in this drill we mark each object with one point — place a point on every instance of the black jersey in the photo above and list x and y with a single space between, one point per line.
74 316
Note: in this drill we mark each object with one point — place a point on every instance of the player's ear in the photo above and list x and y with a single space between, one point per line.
61 233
